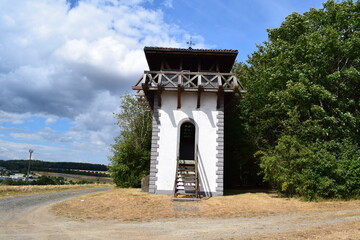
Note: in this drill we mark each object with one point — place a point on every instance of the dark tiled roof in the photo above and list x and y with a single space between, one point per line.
165 49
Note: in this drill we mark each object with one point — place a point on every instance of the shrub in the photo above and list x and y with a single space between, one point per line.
318 170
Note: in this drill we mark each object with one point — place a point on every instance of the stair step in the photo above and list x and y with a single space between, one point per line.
185 192
187 181
190 188
191 176
186 186
186 162
186 189
186 173
187 176
187 169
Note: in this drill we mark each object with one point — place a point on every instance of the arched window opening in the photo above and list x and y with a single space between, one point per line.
187 141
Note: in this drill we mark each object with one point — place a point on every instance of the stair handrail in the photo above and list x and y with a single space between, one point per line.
176 173
197 189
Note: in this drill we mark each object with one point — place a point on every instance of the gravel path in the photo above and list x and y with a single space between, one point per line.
13 208
30 218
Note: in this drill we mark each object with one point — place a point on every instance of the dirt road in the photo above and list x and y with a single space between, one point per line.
36 222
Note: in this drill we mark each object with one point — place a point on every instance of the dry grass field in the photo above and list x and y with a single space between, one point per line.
136 215
16 191
76 177
257 215
132 205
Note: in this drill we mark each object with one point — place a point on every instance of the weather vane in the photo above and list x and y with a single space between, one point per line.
190 43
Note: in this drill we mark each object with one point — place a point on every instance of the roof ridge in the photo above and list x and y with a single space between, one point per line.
190 49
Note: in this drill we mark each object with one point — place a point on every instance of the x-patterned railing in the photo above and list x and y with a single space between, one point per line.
207 80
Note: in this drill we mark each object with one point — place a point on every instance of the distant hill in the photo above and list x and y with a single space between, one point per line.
63 167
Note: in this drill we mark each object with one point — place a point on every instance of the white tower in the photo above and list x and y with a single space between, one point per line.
187 89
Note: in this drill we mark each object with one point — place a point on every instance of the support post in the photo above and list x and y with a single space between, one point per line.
179 96
220 94
159 91
200 88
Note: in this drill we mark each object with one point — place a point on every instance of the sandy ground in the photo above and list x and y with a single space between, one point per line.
40 222
132 205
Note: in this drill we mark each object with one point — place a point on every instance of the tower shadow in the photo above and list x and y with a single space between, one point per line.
236 190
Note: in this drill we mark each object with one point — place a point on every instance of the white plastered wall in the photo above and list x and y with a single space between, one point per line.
205 120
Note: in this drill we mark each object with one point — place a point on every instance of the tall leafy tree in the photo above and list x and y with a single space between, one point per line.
130 160
302 106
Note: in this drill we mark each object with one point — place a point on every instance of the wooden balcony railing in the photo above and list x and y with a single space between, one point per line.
189 81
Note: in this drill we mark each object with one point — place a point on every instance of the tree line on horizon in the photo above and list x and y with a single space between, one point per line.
298 127
59 167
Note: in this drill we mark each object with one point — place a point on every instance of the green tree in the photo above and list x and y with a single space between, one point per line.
131 151
302 106
49 180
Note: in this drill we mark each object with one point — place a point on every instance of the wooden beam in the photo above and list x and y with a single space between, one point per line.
138 82
167 66
200 88
162 64
220 94
145 88
136 88
191 73
158 92
159 80
179 96
213 67
144 78
219 81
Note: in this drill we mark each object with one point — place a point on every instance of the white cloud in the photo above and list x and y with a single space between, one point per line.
57 59
20 150
168 3
14 118
57 63
26 136
51 119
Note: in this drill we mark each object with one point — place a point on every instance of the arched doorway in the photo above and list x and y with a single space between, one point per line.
187 141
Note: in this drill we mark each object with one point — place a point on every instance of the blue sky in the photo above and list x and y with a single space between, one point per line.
65 64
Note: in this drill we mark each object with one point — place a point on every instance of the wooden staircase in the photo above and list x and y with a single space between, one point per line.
186 186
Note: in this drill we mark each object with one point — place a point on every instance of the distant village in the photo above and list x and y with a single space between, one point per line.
37 172
15 175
